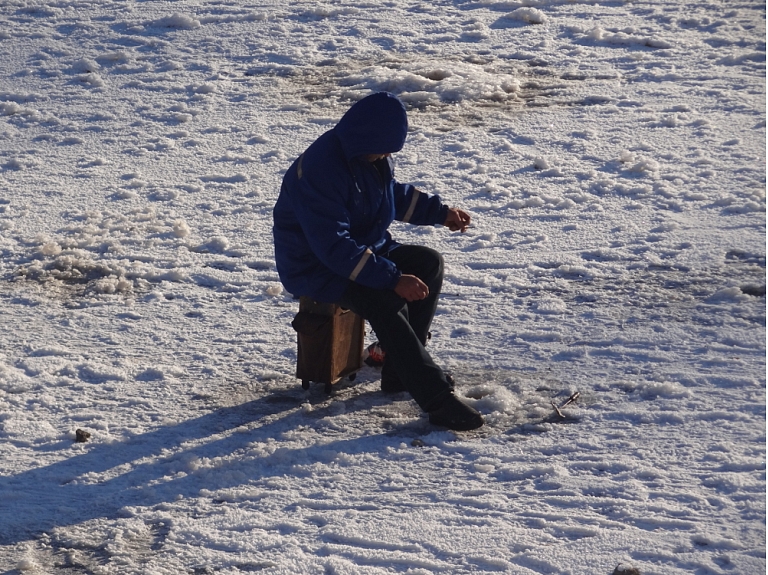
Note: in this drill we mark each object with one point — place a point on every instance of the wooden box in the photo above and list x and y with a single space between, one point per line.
330 343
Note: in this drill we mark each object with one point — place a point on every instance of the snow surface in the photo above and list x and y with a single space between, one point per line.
612 154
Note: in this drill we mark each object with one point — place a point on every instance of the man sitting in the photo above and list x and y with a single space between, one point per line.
332 244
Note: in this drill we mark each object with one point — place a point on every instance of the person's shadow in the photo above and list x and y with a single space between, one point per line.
141 474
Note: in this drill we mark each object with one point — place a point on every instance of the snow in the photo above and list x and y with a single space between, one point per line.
612 155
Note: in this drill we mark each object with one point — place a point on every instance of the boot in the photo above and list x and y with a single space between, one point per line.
455 414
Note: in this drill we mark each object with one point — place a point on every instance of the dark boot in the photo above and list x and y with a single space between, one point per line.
455 414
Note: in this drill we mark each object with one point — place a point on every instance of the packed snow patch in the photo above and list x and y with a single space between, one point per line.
729 294
181 229
528 15
627 37
491 399
550 305
424 84
94 372
50 350
666 389
178 21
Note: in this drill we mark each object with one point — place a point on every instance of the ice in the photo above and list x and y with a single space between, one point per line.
612 156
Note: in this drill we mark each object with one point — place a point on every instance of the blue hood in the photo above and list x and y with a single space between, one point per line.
377 124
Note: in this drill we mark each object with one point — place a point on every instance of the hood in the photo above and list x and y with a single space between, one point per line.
377 124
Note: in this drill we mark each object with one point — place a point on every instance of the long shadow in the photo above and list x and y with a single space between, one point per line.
62 494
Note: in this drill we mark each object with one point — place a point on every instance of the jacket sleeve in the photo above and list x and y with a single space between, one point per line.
325 220
413 206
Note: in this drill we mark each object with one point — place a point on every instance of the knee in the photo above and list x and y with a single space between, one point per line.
434 263
425 263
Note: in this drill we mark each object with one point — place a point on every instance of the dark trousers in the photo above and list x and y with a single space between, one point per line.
403 327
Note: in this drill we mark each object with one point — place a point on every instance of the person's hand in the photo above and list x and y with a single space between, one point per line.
411 288
457 220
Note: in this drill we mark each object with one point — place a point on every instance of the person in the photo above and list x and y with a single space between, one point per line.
332 243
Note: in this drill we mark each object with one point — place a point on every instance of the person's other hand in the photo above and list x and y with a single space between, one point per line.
411 288
457 220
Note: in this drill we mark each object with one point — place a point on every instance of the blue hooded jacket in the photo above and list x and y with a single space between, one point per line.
334 207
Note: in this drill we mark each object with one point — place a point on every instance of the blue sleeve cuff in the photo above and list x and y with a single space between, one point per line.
443 214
